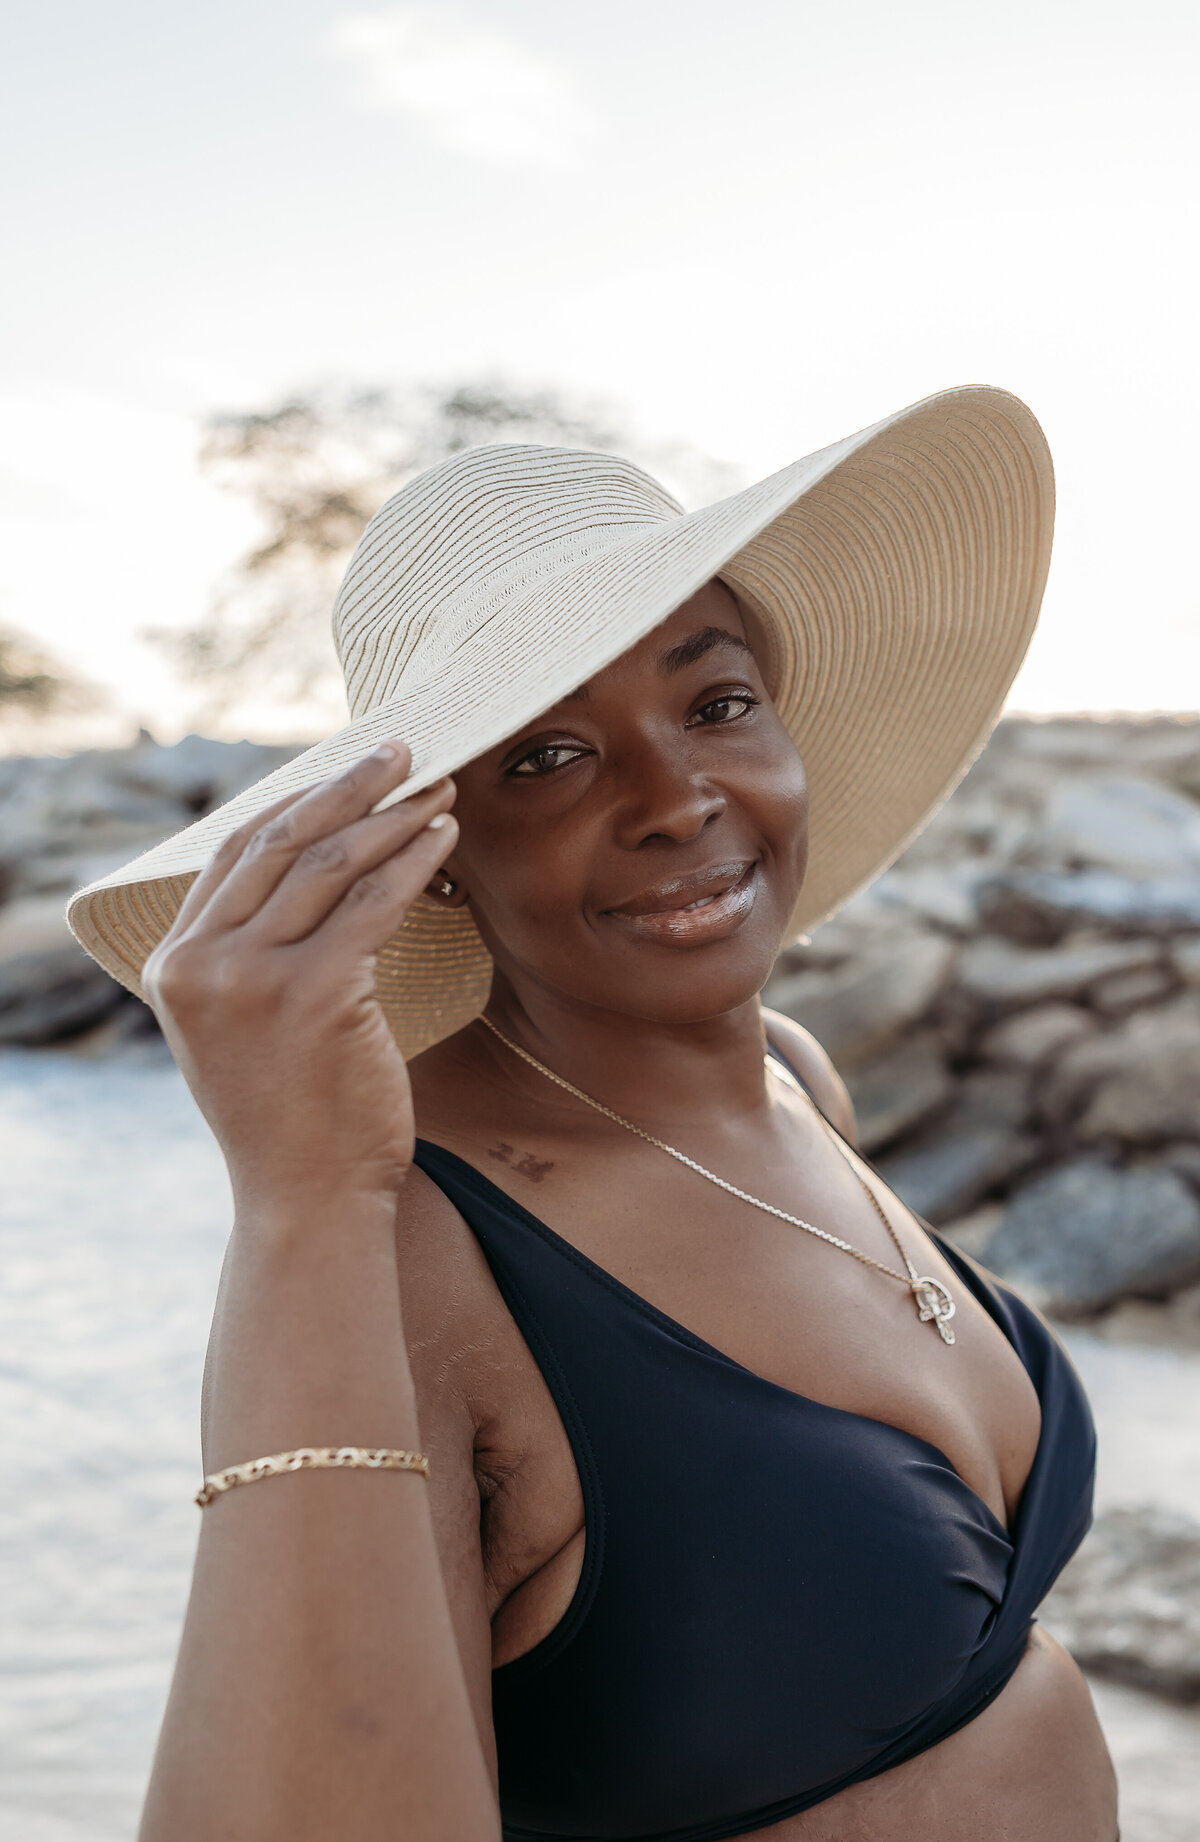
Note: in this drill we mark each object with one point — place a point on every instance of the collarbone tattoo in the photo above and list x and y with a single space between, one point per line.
524 1163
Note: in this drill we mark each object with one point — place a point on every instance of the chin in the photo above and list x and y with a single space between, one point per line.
695 987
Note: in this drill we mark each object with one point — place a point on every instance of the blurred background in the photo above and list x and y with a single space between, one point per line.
265 261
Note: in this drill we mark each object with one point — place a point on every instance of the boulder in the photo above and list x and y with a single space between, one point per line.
198 773
1183 1309
943 894
1123 992
1137 827
1167 748
1185 959
1040 906
111 804
1030 1039
1145 1085
1182 1156
1000 976
864 1003
1128 1605
997 1097
1162 1103
78 804
973 1147
1083 1235
971 1233
1066 741
48 985
942 1176
898 1092
828 946
1135 1047
1165 1323
61 873
986 824
859 928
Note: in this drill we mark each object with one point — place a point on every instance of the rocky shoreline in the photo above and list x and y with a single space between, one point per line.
1128 1606
66 820
1015 1006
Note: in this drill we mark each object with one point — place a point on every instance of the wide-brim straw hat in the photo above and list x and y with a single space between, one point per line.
891 583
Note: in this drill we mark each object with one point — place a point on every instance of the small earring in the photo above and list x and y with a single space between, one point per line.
445 886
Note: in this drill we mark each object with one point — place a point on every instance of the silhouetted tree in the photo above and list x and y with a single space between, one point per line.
31 681
315 468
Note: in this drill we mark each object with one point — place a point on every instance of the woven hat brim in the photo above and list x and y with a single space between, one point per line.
892 581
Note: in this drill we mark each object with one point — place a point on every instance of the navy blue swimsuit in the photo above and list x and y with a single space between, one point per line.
778 1598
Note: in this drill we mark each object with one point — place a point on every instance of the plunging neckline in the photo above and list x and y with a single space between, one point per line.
691 1339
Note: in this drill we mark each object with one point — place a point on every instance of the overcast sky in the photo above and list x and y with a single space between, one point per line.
756 226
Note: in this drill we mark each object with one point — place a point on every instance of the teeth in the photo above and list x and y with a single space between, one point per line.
702 901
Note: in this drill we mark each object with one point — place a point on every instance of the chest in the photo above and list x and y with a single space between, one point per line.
702 1518
783 1302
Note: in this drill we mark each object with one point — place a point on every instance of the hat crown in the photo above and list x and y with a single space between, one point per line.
440 554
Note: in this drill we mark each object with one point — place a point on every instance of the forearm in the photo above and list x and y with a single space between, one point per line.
318 1690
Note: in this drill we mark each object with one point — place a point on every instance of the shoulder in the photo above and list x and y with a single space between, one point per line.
445 1281
815 1069
452 1310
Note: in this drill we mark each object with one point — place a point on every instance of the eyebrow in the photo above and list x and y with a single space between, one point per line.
696 645
687 652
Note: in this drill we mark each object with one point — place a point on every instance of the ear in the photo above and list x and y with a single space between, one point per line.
446 889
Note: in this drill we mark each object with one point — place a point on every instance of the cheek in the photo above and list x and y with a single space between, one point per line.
526 881
782 806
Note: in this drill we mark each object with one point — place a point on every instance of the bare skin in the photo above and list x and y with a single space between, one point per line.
370 1611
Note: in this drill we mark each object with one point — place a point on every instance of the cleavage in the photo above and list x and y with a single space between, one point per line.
798 1313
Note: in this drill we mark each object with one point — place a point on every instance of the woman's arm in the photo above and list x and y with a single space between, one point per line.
319 1691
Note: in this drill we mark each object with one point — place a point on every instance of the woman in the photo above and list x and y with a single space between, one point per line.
742 1488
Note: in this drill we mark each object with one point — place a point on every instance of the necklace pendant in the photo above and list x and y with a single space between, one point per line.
934 1304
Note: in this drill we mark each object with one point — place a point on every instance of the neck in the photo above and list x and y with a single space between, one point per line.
648 1069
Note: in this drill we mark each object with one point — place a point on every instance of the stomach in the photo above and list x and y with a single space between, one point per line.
1032 1767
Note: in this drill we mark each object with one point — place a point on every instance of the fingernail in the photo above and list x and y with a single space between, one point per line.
438 820
387 751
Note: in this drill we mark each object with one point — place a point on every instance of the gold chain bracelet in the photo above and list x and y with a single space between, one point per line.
311 1458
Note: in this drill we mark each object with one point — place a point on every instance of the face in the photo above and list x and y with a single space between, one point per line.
641 846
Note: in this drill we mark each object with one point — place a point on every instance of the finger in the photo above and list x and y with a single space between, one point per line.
275 843
374 907
222 861
238 842
323 873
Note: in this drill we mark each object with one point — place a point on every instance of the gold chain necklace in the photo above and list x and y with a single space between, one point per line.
934 1301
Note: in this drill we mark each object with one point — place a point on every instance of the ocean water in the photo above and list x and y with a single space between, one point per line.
113 1213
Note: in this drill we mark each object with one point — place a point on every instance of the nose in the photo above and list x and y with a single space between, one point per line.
666 798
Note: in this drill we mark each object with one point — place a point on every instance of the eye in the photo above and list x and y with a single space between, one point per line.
728 708
545 759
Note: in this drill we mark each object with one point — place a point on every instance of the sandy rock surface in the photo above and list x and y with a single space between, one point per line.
1128 1605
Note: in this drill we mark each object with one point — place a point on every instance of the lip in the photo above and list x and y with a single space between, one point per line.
688 910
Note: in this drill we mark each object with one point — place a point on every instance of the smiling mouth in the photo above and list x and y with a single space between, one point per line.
705 906
685 893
